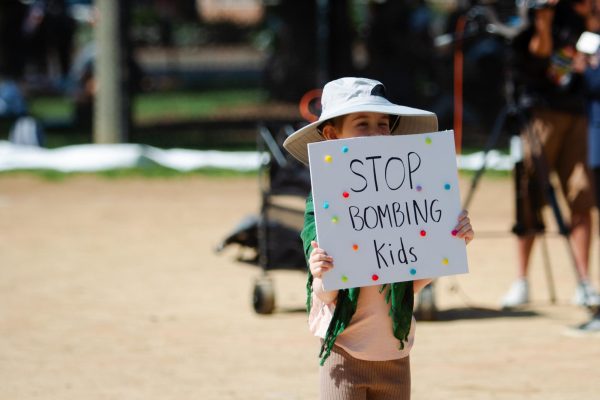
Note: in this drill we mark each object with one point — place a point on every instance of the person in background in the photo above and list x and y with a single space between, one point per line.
589 66
554 93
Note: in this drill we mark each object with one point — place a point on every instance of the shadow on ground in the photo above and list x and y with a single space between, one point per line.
467 313
452 314
290 310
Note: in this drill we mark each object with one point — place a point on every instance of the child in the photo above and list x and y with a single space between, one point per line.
366 333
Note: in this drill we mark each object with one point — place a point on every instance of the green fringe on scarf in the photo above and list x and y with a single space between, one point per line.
400 295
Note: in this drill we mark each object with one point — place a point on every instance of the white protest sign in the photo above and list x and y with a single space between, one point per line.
386 208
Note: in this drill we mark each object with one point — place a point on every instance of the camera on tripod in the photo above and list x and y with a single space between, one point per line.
541 4
507 18
537 4
502 18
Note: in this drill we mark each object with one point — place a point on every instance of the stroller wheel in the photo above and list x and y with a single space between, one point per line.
426 309
263 298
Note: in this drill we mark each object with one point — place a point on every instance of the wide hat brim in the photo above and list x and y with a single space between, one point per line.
411 121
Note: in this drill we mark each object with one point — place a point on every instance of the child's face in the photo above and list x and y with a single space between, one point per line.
357 125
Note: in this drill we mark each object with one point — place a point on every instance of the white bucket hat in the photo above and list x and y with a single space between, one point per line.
350 95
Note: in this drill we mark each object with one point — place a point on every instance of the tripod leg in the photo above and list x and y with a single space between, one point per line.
490 144
548 269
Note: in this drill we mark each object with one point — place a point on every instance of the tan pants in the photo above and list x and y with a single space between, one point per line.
344 377
563 140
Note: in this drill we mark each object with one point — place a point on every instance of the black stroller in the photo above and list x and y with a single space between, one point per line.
273 237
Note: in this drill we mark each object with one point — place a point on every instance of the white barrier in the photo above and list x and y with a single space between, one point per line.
101 157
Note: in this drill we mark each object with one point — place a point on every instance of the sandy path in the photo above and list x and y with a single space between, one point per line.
110 289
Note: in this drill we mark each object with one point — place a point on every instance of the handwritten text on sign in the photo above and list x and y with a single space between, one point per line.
386 207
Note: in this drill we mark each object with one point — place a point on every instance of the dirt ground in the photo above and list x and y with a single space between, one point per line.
110 289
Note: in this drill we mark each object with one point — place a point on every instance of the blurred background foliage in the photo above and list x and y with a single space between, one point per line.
203 73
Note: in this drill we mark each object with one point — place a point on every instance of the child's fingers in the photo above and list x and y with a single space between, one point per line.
466 232
463 219
463 229
462 223
319 268
318 272
318 255
318 252
319 262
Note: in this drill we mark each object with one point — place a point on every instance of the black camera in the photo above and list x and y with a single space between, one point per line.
540 4
537 4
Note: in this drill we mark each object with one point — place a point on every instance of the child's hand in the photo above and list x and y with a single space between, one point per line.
319 262
463 229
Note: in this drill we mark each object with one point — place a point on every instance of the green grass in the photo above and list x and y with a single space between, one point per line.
154 172
148 107
489 173
183 105
51 108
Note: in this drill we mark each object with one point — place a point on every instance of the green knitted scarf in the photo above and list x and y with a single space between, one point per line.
400 295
